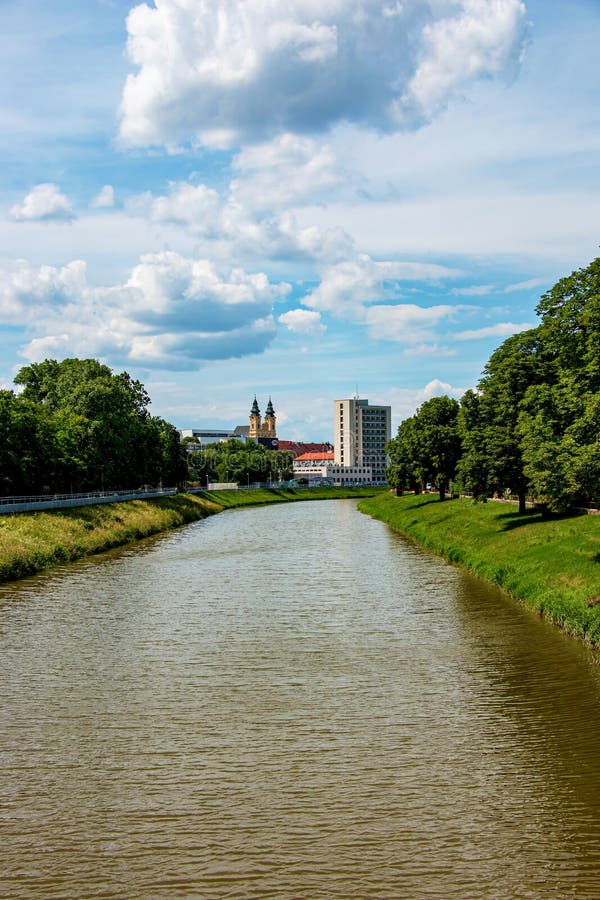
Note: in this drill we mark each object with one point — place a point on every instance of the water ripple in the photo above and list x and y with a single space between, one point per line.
291 703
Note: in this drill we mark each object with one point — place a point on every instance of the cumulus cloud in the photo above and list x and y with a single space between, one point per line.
45 203
105 198
285 172
437 388
226 73
346 288
406 401
195 205
303 321
484 39
173 311
28 293
241 231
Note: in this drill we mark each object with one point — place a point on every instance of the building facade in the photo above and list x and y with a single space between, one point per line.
206 436
321 468
361 432
263 431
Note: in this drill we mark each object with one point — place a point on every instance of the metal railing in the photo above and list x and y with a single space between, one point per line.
24 503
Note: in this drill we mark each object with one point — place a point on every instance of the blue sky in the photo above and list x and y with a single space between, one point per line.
297 199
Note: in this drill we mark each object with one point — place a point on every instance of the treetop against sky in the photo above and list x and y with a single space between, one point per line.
295 199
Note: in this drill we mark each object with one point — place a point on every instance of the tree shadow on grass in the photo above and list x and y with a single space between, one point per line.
420 504
425 502
535 517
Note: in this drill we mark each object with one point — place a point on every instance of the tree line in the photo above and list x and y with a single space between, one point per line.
532 426
76 426
238 461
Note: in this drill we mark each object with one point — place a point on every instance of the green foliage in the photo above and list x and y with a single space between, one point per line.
76 426
492 459
550 564
241 462
533 424
559 421
427 447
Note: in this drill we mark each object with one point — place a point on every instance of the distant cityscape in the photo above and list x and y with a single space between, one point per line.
357 456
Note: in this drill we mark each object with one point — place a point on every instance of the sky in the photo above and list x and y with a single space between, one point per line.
290 198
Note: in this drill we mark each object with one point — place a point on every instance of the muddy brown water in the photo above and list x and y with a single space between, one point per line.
291 702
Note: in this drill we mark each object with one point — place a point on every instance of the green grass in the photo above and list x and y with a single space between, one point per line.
553 565
259 496
30 542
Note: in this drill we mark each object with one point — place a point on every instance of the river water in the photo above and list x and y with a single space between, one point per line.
291 702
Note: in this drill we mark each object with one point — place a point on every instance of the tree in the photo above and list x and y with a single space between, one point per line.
428 445
401 472
239 461
492 454
559 422
97 430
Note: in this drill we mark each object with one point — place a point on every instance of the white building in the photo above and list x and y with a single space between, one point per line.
321 468
206 436
361 432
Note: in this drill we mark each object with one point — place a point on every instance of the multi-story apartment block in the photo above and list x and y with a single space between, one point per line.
361 432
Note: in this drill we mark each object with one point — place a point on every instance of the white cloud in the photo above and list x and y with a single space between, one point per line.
45 203
420 350
28 293
437 388
484 39
406 401
406 323
287 171
476 290
236 231
186 204
502 329
105 198
347 287
173 311
221 73
303 321
526 285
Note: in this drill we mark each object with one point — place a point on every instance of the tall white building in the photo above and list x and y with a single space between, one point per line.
360 433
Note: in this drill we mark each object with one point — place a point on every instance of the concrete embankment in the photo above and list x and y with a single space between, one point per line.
551 564
31 542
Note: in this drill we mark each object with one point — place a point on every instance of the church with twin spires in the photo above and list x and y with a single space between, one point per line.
263 431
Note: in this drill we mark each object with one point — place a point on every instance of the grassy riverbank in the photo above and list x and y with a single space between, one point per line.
30 542
553 565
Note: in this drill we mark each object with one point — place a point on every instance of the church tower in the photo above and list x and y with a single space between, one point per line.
265 432
270 421
255 428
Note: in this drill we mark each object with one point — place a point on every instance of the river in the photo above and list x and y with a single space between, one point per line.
291 702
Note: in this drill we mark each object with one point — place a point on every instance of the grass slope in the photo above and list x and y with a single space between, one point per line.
30 542
553 565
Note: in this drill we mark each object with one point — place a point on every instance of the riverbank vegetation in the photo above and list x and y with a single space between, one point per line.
76 426
553 565
31 542
532 427
241 462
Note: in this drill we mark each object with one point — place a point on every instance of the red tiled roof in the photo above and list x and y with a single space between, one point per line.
297 448
318 456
